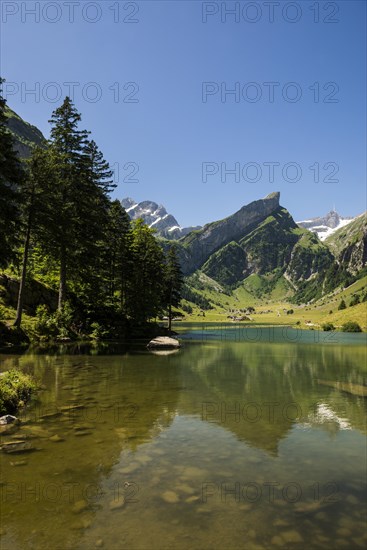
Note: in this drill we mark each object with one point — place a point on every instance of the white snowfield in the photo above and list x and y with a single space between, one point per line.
324 231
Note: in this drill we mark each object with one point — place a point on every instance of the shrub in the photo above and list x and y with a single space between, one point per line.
342 305
355 300
15 389
99 332
351 326
187 308
327 326
290 311
52 325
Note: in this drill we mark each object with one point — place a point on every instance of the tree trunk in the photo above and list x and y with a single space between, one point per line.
62 286
19 313
170 314
18 318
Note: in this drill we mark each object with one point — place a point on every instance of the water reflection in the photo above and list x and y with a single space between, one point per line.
125 442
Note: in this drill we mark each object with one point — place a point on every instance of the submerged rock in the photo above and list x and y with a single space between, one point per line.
117 503
170 496
20 446
56 438
291 536
80 506
164 342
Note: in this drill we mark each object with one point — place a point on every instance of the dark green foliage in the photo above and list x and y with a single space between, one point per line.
116 257
11 176
351 326
328 327
172 281
144 295
187 308
355 300
342 305
228 266
290 311
77 207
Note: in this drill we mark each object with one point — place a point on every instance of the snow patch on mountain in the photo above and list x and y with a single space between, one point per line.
157 217
326 225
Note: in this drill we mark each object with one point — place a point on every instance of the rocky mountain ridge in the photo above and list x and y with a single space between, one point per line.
157 217
326 225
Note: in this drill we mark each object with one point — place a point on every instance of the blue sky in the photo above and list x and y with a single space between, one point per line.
177 141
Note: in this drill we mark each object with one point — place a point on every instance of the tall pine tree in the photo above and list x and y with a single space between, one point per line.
34 201
144 289
11 175
78 206
173 282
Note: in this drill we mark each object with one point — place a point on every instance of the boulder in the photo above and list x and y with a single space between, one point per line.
8 419
164 342
8 424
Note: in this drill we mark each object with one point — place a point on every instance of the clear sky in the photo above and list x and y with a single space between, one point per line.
151 79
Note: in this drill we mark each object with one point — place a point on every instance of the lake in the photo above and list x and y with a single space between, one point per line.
244 438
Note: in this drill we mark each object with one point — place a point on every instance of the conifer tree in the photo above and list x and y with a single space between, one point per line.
117 250
173 282
78 206
144 292
34 202
11 175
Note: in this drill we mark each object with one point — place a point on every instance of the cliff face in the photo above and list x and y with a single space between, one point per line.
260 239
25 135
349 245
198 246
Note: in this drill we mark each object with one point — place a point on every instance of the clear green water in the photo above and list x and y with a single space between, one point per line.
227 443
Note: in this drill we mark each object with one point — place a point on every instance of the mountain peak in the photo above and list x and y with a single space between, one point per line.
324 226
273 195
156 216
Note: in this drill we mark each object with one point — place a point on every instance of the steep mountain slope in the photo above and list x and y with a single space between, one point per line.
261 250
198 246
156 216
349 244
261 238
25 135
326 225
